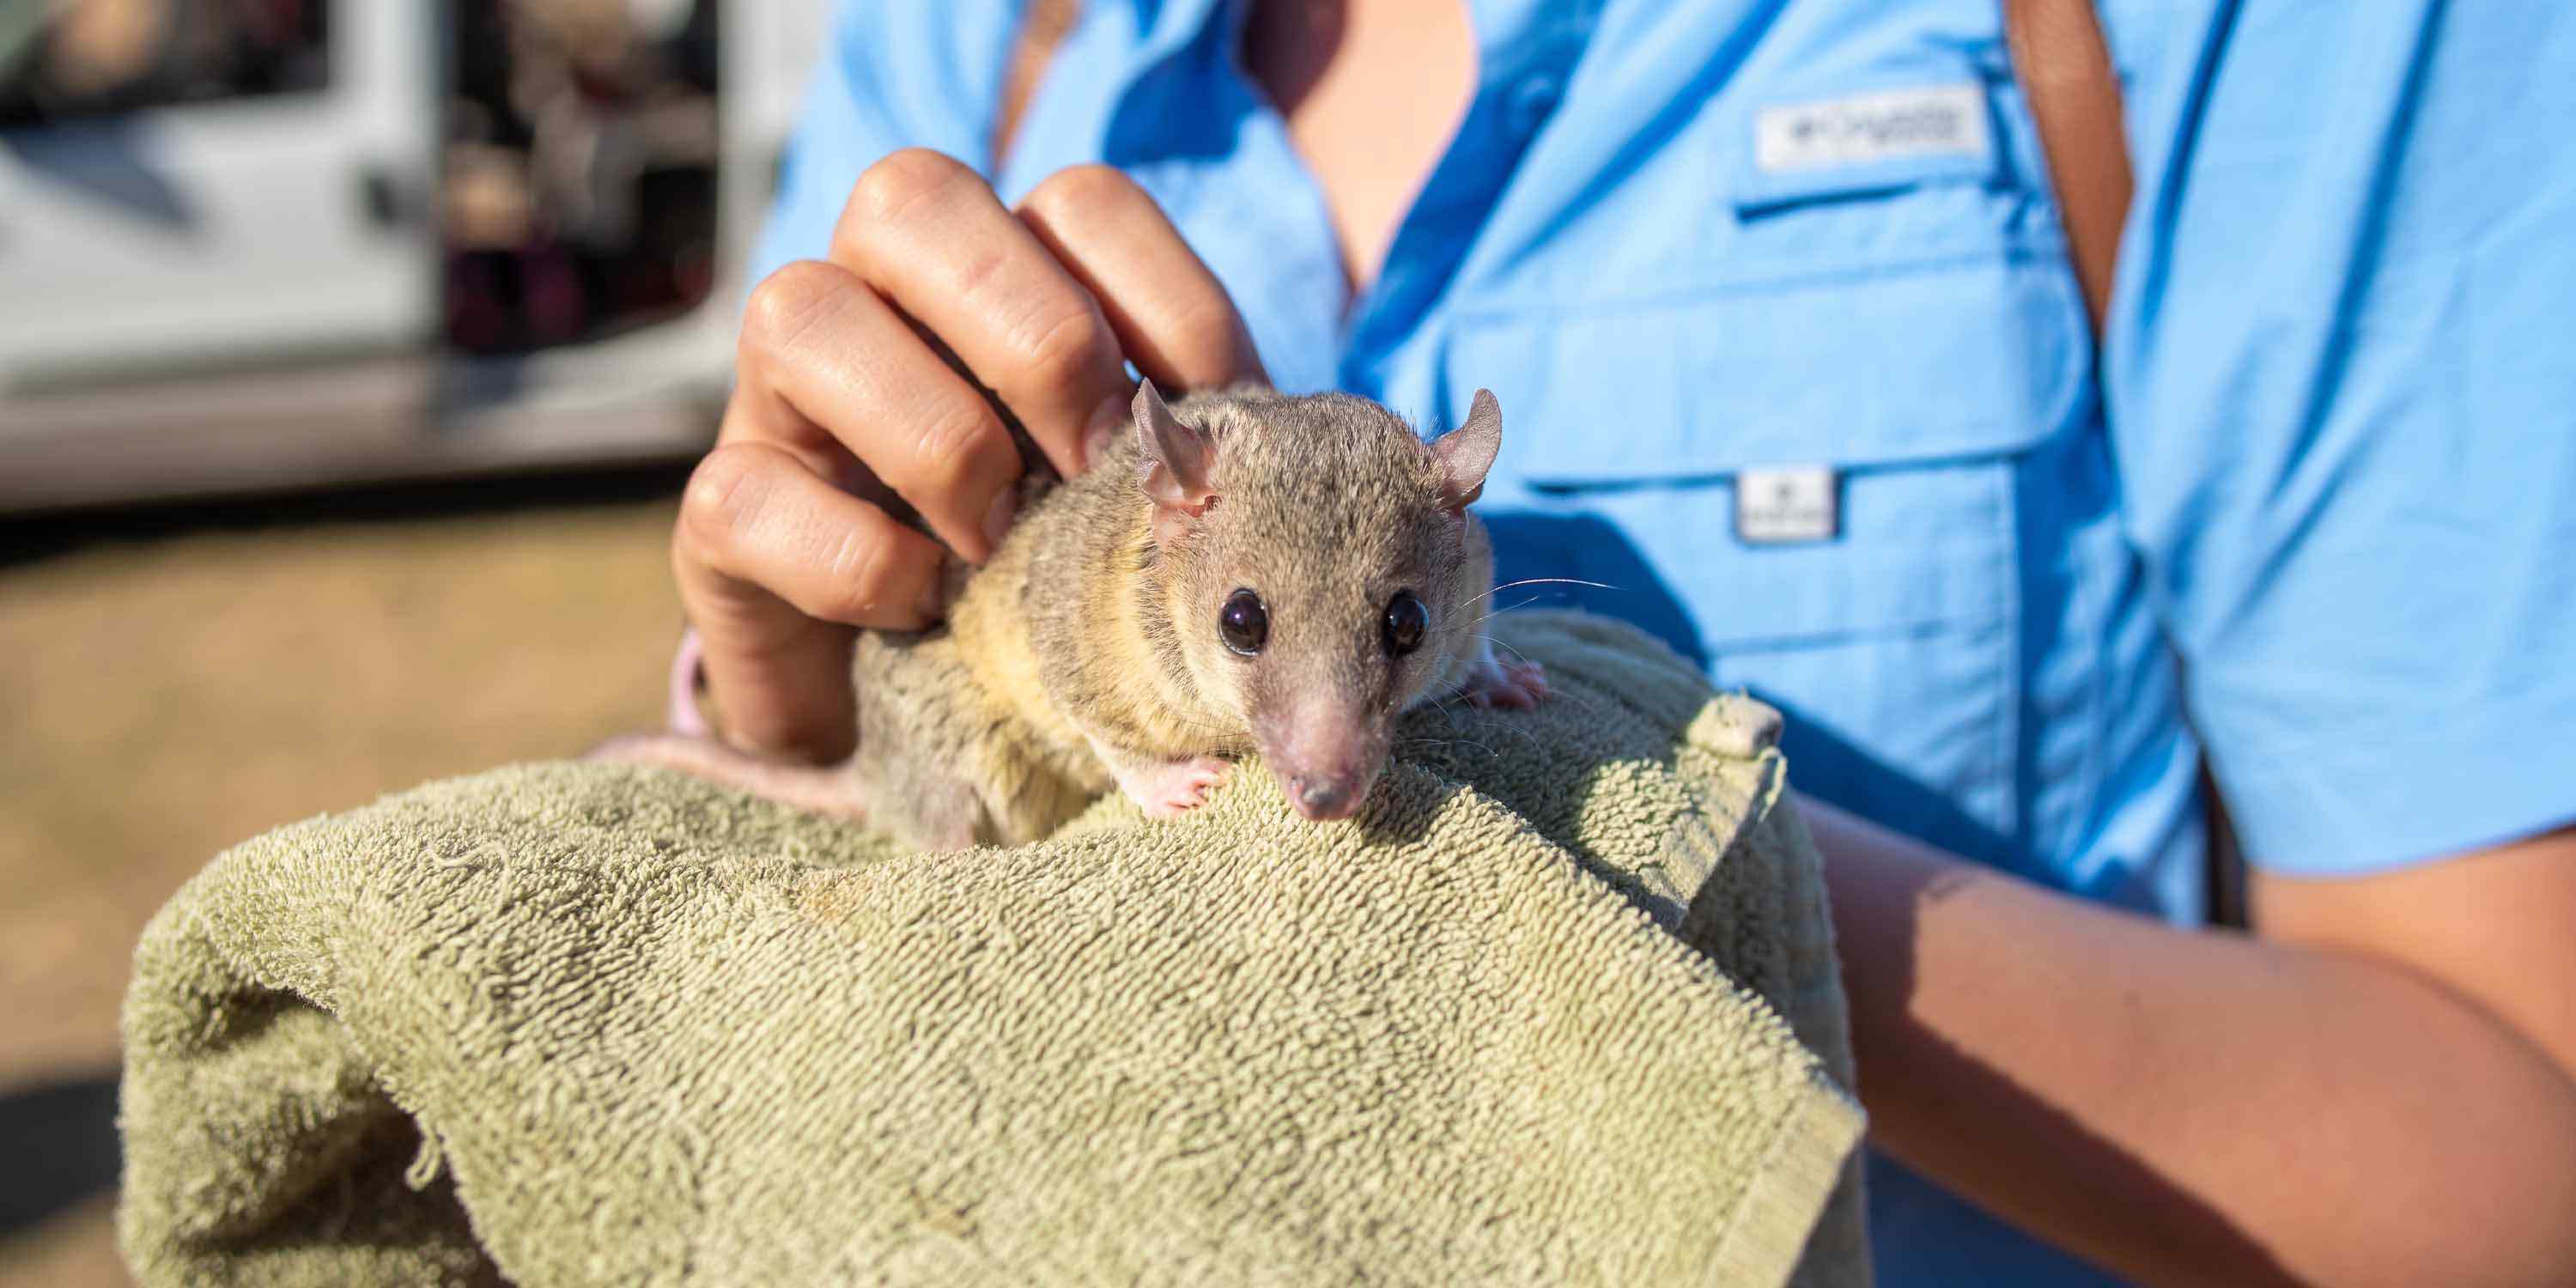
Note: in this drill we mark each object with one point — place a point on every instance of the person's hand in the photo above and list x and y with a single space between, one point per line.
841 407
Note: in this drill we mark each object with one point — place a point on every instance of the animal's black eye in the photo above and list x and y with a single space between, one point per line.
1243 623
1406 619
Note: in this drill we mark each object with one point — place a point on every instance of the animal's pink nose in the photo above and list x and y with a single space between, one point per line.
1324 796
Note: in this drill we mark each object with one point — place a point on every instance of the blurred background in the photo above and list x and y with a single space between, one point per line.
352 353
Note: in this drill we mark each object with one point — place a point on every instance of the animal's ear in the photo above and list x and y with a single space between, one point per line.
1176 459
1464 454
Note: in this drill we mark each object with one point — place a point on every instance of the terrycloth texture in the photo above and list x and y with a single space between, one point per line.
578 1023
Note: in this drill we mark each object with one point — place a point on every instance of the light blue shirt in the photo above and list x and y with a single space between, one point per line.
2314 510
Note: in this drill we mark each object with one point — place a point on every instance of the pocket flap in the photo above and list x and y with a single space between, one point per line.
1957 359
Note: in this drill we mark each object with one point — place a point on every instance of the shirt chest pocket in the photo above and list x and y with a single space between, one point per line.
1631 422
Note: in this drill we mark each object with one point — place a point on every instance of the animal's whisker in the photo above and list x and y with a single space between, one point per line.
1448 708
1578 700
1543 581
1449 740
1500 611
1581 701
1517 655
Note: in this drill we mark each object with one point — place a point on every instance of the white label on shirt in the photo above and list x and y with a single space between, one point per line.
1945 120
1787 503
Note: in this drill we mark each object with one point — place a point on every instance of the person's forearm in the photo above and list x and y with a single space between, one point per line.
2193 1107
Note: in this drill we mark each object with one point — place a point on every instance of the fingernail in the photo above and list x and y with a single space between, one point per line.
997 521
1106 420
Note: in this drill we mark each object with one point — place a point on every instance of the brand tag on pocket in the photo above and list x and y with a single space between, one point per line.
1868 129
1783 504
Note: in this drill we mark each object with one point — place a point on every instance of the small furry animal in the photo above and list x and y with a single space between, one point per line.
1249 571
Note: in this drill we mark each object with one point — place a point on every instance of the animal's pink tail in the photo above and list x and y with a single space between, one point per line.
688 667
817 789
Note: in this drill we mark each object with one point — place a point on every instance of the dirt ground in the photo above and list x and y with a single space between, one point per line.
176 681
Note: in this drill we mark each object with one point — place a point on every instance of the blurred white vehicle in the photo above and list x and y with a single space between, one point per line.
226 292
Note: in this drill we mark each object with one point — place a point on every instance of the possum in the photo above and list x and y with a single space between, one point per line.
1246 572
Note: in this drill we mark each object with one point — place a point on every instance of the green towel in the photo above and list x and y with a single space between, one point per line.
1522 1022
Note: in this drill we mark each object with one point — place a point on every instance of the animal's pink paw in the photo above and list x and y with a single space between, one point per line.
1173 789
1506 686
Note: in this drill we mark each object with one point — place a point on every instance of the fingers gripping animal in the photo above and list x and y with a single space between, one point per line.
1247 572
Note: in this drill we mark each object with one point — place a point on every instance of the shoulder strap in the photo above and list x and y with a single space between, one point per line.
1043 26
2065 73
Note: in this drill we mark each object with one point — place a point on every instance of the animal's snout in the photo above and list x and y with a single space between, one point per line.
1326 751
1324 796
